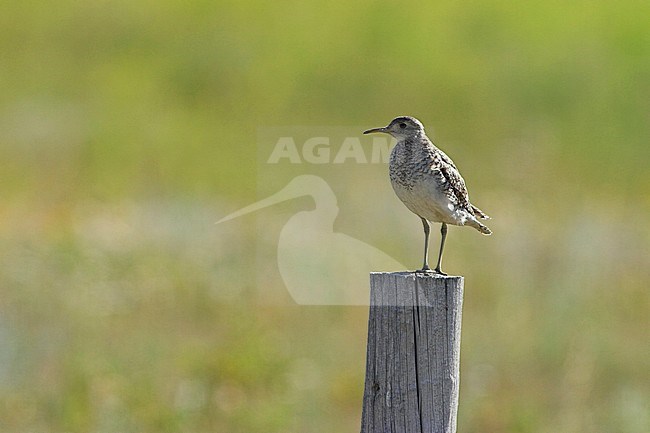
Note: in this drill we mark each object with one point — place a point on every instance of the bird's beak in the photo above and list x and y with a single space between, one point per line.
383 129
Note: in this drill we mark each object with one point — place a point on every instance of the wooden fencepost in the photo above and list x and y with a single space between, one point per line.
413 355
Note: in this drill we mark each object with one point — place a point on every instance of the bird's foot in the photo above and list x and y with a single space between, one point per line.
425 270
430 271
439 272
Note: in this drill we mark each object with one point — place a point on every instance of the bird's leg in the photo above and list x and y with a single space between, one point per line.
443 233
425 266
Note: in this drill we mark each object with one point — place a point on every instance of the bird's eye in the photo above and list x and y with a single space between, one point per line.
402 125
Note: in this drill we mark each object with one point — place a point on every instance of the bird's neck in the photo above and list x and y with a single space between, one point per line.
416 141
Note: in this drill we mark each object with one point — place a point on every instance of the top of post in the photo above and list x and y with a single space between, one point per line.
405 289
419 275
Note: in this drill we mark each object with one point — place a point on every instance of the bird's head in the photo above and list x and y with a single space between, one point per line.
401 127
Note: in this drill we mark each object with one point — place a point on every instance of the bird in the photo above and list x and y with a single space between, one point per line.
318 265
427 181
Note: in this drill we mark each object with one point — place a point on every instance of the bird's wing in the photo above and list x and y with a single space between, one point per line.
457 186
455 183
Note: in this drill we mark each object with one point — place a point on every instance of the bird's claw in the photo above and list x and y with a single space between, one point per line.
438 271
428 270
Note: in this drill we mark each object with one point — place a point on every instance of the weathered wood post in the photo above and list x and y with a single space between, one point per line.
413 358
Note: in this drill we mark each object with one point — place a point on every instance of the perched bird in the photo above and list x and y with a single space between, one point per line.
428 183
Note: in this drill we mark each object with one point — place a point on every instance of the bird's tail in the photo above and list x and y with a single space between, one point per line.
479 226
479 213
484 229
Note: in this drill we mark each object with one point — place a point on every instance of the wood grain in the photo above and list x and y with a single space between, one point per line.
413 357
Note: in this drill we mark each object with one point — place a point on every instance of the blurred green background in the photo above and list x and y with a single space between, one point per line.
128 127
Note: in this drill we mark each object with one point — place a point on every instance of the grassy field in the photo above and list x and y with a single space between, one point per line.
127 128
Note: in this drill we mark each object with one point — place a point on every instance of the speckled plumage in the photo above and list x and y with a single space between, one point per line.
427 181
429 184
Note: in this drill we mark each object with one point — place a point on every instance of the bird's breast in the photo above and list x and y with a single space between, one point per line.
419 184
410 164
